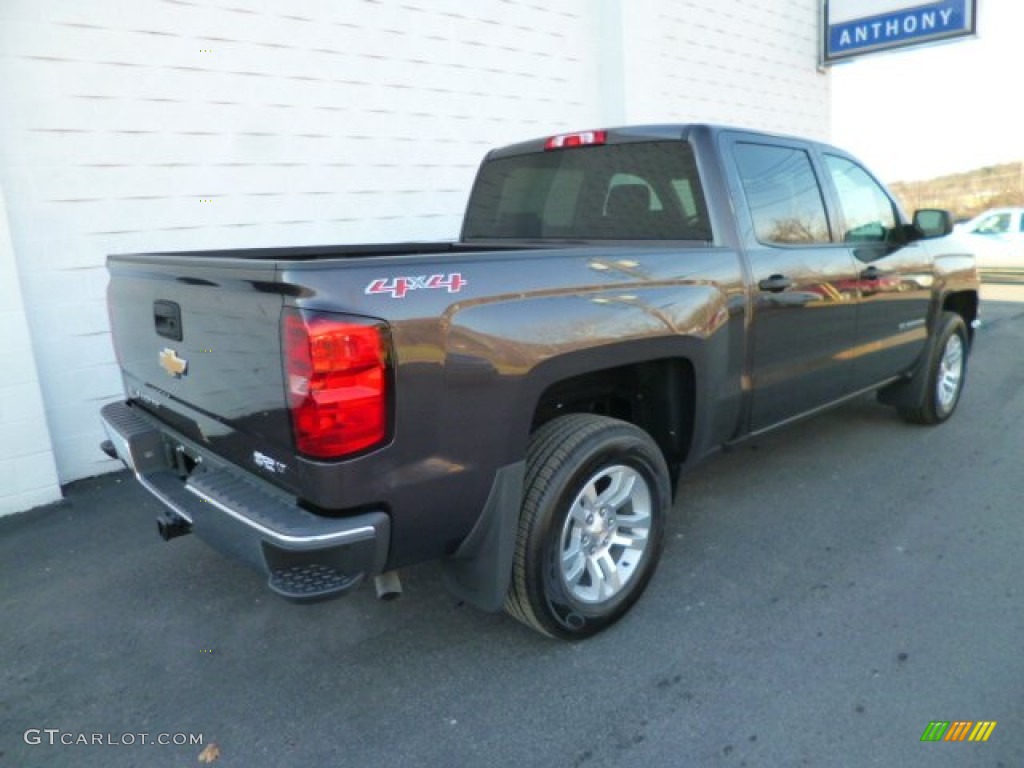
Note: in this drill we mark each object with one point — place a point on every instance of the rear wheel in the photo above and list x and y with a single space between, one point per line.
592 525
946 374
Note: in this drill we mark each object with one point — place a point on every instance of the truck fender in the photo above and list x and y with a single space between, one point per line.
910 392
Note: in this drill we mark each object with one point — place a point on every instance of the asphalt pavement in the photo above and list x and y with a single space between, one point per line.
826 592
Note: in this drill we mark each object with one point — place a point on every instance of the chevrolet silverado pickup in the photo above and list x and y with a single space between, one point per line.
518 404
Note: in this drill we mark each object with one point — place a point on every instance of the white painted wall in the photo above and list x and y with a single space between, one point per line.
28 475
740 62
179 124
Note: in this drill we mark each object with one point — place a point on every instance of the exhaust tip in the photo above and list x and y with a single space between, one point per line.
388 585
172 526
108 448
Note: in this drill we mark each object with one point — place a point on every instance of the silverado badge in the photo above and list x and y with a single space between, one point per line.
174 365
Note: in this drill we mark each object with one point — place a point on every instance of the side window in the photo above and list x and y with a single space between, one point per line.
996 224
783 194
867 210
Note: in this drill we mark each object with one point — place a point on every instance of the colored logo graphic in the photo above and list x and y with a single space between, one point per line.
958 730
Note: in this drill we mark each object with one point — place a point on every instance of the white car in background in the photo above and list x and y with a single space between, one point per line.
997 238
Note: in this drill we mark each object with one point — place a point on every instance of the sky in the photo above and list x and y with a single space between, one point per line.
920 113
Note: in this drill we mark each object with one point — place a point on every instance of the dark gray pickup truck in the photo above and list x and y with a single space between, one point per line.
518 404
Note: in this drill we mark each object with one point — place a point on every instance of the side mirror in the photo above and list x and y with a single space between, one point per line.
932 222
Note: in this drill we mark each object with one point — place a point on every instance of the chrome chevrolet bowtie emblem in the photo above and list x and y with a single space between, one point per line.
174 365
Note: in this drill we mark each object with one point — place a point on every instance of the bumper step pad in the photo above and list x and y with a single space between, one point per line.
310 582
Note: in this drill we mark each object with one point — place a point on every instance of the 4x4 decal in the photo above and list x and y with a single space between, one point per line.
398 287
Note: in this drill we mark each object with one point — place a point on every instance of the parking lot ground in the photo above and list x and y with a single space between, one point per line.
826 592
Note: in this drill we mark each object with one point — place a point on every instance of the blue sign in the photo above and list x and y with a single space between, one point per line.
893 27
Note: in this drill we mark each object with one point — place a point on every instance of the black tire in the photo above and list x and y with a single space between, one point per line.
579 566
945 376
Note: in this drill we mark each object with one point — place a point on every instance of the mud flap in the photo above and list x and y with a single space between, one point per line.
479 572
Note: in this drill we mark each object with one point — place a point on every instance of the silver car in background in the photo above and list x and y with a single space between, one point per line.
997 240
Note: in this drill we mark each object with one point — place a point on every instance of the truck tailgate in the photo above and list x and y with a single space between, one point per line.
199 344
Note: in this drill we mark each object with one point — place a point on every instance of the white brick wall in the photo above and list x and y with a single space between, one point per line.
749 63
178 124
28 476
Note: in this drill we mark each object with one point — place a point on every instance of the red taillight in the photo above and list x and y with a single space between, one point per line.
581 139
336 377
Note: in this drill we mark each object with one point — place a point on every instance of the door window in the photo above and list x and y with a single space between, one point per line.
996 224
867 210
783 195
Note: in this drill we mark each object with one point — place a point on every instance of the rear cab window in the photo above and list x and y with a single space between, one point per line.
631 191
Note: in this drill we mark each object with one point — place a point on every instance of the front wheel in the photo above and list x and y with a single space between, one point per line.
946 374
592 525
